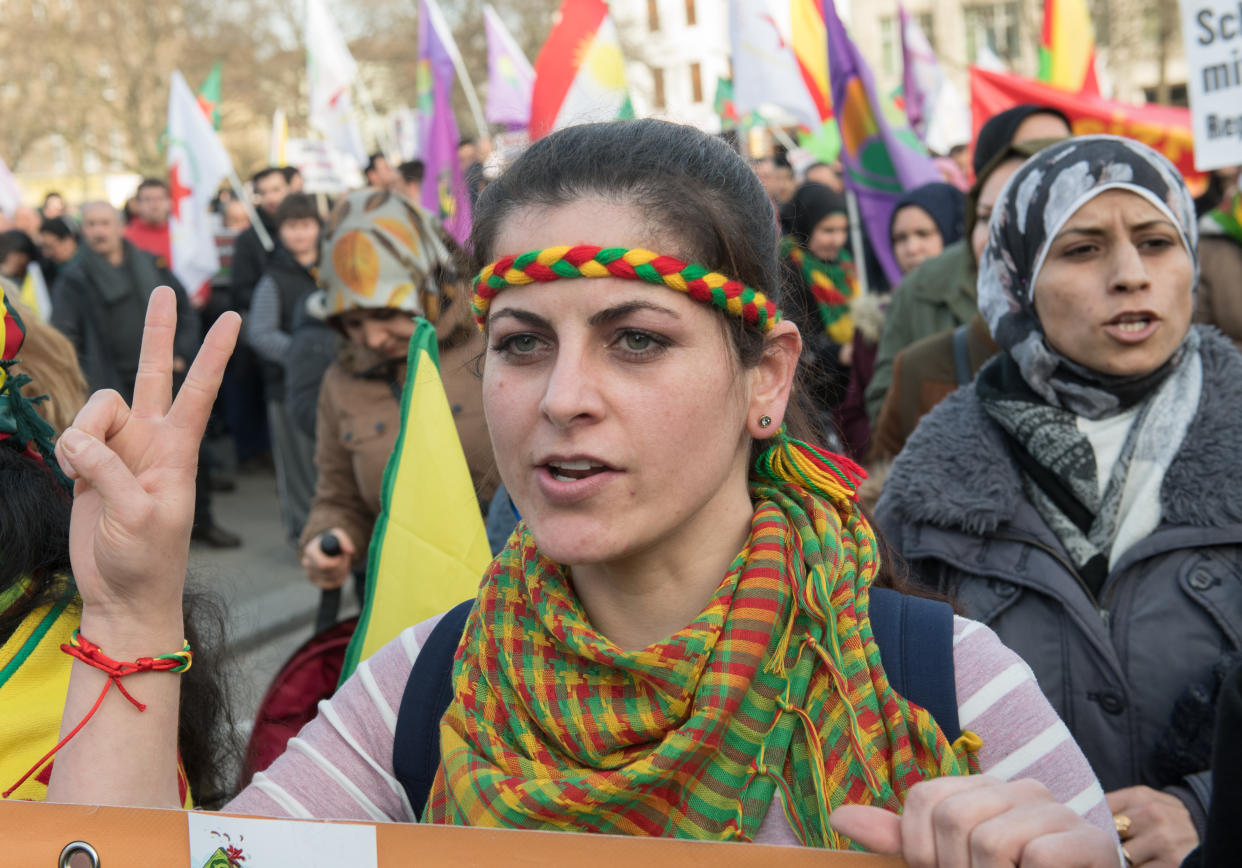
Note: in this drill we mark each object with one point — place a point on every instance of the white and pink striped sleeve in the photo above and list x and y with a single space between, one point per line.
339 767
999 700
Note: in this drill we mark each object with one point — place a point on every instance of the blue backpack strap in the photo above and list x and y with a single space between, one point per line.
961 356
428 692
915 637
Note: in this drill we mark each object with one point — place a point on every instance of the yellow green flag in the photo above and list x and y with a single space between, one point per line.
429 548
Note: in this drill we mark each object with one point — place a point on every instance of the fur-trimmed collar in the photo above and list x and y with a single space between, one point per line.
955 471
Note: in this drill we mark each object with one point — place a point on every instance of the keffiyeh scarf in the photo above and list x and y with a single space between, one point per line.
776 687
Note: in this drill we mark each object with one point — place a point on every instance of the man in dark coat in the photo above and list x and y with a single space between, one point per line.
99 302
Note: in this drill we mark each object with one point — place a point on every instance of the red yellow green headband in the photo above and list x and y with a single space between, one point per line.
585 260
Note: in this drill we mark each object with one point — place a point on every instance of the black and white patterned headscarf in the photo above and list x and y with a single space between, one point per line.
1031 209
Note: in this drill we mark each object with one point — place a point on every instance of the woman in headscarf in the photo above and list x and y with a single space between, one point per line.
679 638
820 285
925 221
1077 497
383 264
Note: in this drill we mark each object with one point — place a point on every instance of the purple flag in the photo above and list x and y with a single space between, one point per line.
510 77
881 162
911 87
444 185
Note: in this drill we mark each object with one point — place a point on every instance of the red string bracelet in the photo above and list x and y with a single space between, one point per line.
89 653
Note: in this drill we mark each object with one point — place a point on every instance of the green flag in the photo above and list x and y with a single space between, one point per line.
209 95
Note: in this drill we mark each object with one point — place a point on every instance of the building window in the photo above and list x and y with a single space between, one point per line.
994 26
890 45
653 15
691 17
696 83
657 89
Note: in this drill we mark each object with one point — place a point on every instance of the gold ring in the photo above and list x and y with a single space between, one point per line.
1129 859
1123 824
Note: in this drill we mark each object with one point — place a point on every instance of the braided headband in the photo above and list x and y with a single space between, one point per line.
585 260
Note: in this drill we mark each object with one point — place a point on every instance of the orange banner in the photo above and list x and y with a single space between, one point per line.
1165 128
35 833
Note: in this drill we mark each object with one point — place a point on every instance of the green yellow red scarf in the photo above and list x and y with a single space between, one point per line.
776 687
1229 217
833 286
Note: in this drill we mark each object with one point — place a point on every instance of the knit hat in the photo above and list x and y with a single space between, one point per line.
1000 129
811 203
380 251
944 203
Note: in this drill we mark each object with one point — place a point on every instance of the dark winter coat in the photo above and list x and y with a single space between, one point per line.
102 310
955 508
250 260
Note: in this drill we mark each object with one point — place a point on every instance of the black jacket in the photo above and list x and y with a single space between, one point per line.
250 260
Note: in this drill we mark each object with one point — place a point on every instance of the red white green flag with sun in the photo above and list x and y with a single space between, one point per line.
197 163
580 72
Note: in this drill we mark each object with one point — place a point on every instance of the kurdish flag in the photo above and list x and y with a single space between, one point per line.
881 162
810 38
429 549
1067 47
580 71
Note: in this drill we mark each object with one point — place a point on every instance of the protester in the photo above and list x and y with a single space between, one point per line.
553 722
819 287
777 177
283 289
1071 497
823 173
379 173
932 367
383 263
924 221
293 177
53 206
98 303
59 243
940 294
150 231
1220 268
39 605
243 403
236 219
27 220
411 186
17 252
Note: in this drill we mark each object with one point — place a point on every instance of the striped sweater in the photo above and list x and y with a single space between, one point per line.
340 765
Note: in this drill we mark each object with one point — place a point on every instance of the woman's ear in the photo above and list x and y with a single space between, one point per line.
772 380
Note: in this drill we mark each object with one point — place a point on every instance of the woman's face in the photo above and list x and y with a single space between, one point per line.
385 331
916 238
828 237
988 194
1114 294
617 411
300 237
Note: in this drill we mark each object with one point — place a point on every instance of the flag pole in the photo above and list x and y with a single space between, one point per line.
856 239
259 229
450 45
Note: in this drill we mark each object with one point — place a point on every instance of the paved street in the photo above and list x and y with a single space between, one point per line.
270 604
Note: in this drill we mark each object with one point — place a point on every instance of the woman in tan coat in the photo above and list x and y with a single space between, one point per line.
383 265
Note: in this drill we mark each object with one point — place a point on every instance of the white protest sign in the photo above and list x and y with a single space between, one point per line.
1212 30
221 841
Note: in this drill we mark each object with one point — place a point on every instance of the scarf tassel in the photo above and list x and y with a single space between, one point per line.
792 461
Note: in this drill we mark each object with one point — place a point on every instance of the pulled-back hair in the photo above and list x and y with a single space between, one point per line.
693 188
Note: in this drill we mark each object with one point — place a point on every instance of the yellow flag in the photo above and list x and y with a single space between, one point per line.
429 549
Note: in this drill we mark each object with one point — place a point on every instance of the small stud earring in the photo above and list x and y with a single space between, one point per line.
765 421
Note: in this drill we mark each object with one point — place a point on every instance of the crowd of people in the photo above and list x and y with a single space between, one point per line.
949 569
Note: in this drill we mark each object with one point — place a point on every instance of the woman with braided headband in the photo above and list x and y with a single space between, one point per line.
676 640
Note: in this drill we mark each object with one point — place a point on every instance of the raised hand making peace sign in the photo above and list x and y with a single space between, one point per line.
129 543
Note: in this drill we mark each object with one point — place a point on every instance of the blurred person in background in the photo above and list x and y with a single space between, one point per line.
1220 264
412 172
283 289
53 206
293 176
383 263
99 303
380 174
150 231
59 243
824 173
